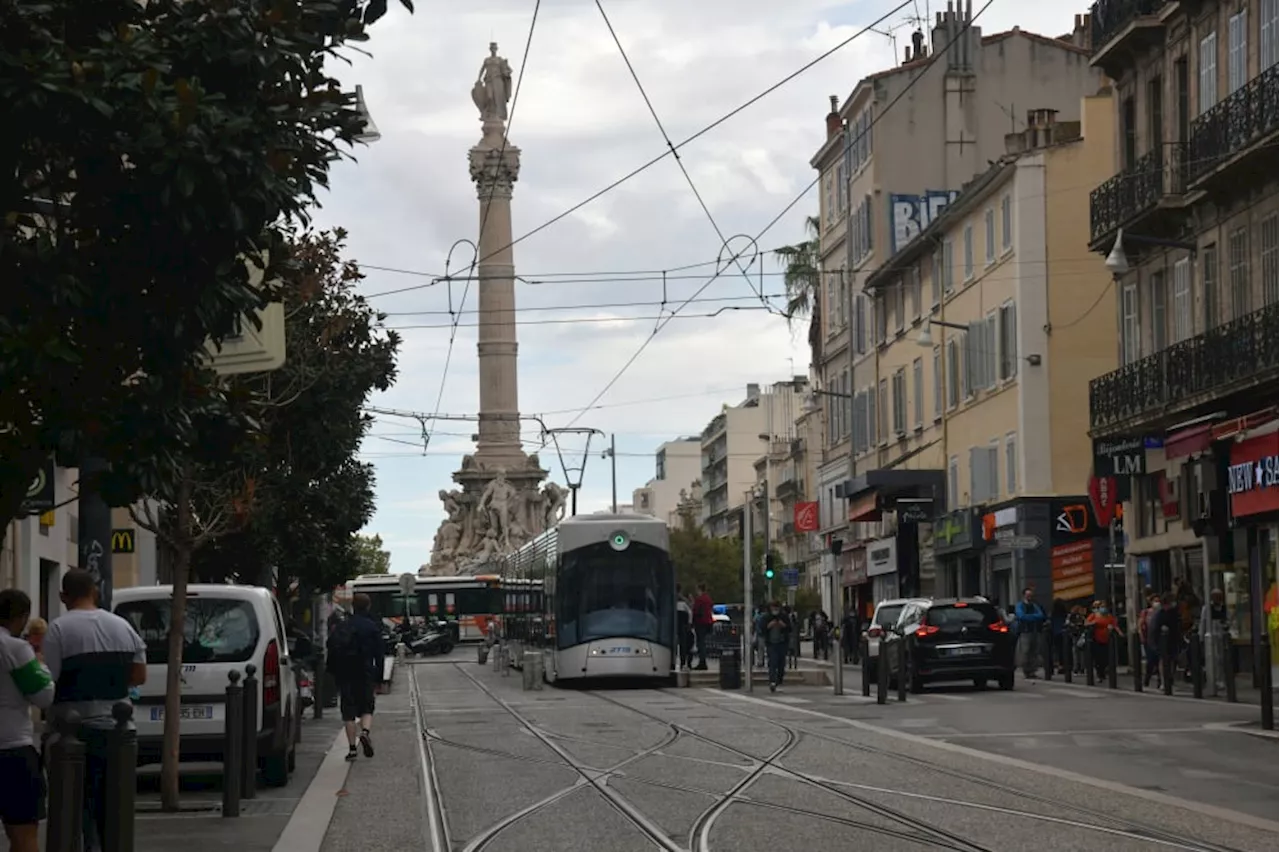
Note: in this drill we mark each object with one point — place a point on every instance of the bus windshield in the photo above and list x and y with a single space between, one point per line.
603 594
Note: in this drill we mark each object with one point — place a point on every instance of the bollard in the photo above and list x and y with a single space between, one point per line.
1166 660
497 657
233 735
1137 660
866 669
528 670
121 783
482 654
902 669
1047 646
1113 659
317 684
249 739
65 765
1268 708
537 670
1229 668
1068 657
1091 654
1195 661
882 674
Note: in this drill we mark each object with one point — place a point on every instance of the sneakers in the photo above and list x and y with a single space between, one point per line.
365 743
773 687
352 753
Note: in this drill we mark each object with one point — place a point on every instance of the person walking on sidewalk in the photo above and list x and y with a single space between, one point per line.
684 629
1105 628
1030 618
26 685
356 660
94 657
703 619
777 636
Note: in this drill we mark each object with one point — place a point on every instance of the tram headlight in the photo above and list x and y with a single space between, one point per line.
619 541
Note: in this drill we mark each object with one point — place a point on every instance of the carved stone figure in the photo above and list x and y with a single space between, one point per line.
555 507
497 506
492 90
447 539
452 504
489 549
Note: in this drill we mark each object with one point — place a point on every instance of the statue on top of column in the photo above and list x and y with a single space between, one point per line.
492 90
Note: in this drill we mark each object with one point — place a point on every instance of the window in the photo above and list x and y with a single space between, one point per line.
1156 298
1238 271
1209 287
989 228
948 266
1006 222
984 474
968 252
882 319
829 210
900 401
1267 255
1130 325
1268 44
873 418
917 379
860 323
953 373
882 405
1182 310
953 482
862 230
1237 50
899 305
217 630
1208 90
980 355
860 437
661 464
917 292
937 381
935 278
1155 112
1011 464
841 189
1008 341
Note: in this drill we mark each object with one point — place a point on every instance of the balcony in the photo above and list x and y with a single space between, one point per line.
1233 357
789 488
1145 198
1122 29
1231 137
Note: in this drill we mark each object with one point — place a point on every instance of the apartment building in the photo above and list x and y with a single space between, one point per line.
1188 222
989 326
897 152
677 464
733 441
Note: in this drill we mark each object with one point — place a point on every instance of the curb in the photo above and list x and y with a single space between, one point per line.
309 822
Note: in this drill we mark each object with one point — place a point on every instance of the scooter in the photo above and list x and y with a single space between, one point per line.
436 640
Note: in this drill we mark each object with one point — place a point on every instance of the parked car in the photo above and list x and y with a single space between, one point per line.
953 639
886 615
226 628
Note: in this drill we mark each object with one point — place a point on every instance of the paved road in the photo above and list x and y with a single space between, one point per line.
701 770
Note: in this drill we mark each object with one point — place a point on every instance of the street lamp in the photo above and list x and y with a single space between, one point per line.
1117 261
370 132
926 337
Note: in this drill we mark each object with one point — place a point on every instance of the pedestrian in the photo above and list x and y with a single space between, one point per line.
94 657
36 629
1214 630
356 660
1029 617
22 794
777 636
703 619
1169 617
849 634
684 629
1104 627
1149 635
1057 634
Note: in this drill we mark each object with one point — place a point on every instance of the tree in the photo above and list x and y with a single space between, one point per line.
802 278
698 558
371 557
162 143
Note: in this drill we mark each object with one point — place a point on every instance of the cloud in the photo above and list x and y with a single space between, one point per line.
581 124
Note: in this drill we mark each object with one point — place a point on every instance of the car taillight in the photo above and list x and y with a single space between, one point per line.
271 675
926 630
875 632
998 627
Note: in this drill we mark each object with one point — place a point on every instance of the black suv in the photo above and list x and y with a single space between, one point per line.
952 639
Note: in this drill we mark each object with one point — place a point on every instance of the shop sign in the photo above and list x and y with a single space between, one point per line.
1071 567
882 557
854 571
806 517
1102 496
955 531
1253 475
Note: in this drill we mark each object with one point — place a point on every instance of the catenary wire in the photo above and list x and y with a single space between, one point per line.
666 137
961 33
475 258
587 307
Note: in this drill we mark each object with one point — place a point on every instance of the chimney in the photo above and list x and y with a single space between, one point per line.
833 117
1015 143
917 45
906 54
753 391
1081 33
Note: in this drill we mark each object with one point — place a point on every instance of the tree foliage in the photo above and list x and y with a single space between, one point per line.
370 556
802 278
160 143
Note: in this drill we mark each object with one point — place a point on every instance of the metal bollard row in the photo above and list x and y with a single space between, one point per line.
232 749
866 668
249 755
65 759
902 669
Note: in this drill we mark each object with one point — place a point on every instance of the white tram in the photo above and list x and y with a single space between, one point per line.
607 602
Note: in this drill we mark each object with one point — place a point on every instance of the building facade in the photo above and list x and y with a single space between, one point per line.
1186 424
946 112
677 464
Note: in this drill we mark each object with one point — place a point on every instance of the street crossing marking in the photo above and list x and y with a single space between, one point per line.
791 699
946 697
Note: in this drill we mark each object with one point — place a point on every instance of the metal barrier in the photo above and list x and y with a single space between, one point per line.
866 668
1068 656
1091 655
116 753
1137 660
1046 646
1166 660
882 673
1113 659
902 668
233 745
64 756
249 756
120 786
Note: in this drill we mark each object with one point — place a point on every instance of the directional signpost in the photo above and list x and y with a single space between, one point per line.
1018 542
791 577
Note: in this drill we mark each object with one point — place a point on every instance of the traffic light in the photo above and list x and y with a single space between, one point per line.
768 566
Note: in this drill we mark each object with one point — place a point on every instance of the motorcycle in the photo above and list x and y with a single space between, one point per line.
436 639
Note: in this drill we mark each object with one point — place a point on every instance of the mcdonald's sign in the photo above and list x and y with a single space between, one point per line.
122 541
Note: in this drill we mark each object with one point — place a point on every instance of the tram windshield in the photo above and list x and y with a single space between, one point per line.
604 594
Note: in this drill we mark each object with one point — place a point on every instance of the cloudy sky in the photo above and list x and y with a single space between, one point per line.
581 124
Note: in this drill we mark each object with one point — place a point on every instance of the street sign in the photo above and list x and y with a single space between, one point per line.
791 577
40 493
1102 494
1022 542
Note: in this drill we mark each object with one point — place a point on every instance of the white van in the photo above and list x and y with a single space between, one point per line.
227 628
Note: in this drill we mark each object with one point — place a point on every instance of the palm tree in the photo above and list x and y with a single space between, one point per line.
801 277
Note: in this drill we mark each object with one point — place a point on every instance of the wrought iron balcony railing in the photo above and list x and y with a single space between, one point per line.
1246 116
1125 195
1109 17
1187 372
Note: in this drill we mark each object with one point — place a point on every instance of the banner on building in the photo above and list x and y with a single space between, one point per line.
1104 499
909 215
805 516
40 493
1071 567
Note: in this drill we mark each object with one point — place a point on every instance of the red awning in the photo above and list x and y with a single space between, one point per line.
865 508
1186 442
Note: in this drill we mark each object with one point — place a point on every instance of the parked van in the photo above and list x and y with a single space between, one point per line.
227 628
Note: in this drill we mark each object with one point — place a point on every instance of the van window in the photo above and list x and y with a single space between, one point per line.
217 630
962 616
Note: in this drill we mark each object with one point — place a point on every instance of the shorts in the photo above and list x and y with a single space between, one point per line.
355 698
22 786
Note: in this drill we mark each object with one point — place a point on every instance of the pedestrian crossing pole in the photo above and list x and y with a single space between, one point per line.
748 506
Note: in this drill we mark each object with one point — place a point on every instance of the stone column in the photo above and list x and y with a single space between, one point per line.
494 168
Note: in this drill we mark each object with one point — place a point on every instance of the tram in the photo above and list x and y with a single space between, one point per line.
469 603
605 607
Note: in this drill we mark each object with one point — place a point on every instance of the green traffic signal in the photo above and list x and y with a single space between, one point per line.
768 573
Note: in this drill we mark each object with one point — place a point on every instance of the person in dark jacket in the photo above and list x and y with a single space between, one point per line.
777 636
356 660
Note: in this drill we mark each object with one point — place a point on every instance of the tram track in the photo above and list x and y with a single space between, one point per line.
1119 826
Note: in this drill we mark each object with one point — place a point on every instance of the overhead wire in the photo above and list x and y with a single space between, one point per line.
875 119
587 307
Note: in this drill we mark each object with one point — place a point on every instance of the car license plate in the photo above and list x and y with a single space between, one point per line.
194 713
964 652
306 692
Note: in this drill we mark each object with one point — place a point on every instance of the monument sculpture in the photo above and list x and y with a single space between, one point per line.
500 503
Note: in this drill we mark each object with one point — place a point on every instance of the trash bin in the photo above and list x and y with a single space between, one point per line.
731 669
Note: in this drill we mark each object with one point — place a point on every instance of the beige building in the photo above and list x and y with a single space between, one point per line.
989 325
677 465
897 151
1187 422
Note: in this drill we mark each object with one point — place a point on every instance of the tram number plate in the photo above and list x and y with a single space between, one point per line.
621 649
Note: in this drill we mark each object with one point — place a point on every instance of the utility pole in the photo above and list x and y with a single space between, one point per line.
613 469
768 521
748 623
95 527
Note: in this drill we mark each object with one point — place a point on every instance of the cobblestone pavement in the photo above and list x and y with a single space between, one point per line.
699 770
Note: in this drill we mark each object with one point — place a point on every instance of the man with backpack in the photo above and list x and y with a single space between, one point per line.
355 659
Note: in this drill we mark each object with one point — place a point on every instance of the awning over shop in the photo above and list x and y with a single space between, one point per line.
879 490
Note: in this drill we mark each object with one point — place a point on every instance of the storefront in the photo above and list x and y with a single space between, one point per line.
957 550
853 580
882 568
913 497
1249 581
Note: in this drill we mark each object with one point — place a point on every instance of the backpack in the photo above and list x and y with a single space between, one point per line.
342 649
